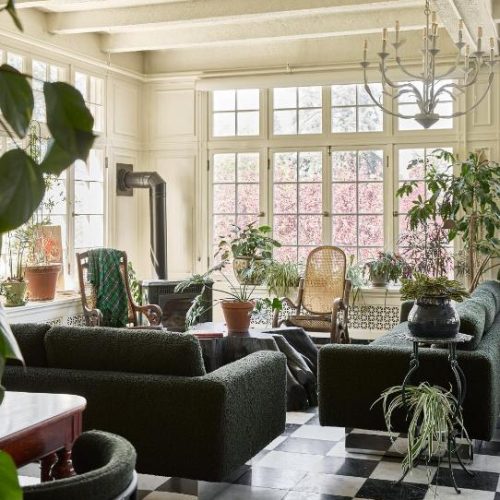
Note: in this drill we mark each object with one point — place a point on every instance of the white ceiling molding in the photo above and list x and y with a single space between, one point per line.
76 5
210 12
332 25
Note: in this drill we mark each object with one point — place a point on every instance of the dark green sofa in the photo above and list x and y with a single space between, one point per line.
351 377
151 388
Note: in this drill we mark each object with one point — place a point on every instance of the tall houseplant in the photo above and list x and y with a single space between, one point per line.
251 248
386 267
468 203
70 124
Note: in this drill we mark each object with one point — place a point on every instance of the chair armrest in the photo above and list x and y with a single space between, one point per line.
93 317
152 312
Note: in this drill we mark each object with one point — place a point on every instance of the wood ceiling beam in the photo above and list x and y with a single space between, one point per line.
152 17
78 5
329 25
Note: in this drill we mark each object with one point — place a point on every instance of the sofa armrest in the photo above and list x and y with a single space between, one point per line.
352 377
194 427
405 310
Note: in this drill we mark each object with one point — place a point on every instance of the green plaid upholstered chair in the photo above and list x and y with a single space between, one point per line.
90 302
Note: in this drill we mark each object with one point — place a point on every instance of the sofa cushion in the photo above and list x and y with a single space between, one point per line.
30 337
124 350
472 314
493 287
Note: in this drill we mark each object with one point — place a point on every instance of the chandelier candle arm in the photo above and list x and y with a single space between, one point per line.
432 86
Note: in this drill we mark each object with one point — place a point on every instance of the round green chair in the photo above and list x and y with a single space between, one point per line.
105 470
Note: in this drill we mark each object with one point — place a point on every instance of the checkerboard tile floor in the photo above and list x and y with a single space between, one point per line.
309 462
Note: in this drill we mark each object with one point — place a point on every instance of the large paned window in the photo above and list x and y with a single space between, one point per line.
235 113
297 202
92 89
358 202
43 72
297 110
333 162
353 109
235 191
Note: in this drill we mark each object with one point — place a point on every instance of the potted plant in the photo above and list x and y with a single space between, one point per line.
237 303
386 267
433 412
282 278
251 249
468 205
70 124
433 314
14 287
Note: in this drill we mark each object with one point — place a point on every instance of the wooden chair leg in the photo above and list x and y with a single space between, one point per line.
335 334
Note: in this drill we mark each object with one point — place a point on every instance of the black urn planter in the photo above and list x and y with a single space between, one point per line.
433 317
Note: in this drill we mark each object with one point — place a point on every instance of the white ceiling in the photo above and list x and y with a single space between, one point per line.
159 25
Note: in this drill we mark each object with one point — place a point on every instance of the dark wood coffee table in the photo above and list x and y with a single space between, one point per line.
39 426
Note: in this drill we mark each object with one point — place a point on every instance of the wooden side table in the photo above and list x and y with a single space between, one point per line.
38 426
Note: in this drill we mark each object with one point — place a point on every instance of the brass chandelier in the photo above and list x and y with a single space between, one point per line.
431 86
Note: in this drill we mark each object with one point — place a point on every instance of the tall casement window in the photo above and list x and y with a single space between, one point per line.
92 89
358 202
43 72
321 167
235 191
297 202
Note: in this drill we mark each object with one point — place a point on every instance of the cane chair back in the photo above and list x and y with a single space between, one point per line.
87 291
324 279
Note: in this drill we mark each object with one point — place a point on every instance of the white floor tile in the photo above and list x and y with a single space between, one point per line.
242 492
32 470
297 417
287 460
330 484
275 442
28 480
391 471
339 451
486 463
164 495
149 482
320 432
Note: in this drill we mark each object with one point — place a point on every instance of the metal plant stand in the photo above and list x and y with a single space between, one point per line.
461 388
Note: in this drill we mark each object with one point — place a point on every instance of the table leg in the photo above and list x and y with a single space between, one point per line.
64 466
46 464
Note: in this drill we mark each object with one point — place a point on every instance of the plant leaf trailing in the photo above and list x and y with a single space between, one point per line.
22 188
434 415
281 277
425 286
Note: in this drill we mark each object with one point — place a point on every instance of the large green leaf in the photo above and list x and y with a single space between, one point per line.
16 99
9 484
21 189
69 121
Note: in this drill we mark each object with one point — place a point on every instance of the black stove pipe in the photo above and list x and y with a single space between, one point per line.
158 215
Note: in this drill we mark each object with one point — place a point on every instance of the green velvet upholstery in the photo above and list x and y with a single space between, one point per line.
115 349
104 464
30 338
352 377
487 299
201 427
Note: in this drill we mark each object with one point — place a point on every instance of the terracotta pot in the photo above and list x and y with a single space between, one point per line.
14 293
241 266
42 281
237 316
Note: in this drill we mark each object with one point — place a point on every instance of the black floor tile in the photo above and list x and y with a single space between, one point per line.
376 489
306 495
486 481
347 466
290 429
302 445
141 494
268 477
368 442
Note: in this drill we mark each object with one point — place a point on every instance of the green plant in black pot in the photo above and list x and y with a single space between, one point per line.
251 248
433 314
386 267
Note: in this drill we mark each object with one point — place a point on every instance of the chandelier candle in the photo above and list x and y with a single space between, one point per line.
427 87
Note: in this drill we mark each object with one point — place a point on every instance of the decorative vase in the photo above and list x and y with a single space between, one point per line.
14 293
241 266
433 317
379 279
237 316
42 281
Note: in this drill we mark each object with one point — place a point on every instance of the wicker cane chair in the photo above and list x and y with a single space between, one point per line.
323 295
93 316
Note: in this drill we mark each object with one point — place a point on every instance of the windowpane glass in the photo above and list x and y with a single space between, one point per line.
224 124
15 60
224 100
248 99
248 123
285 98
235 113
285 122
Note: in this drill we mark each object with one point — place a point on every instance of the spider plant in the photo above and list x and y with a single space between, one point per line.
282 277
434 414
